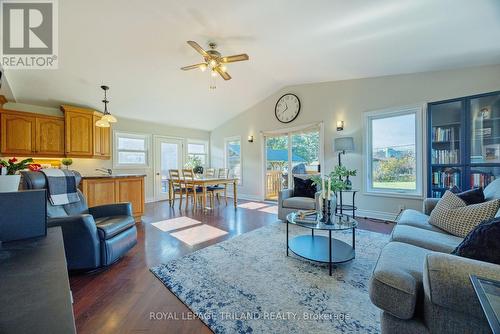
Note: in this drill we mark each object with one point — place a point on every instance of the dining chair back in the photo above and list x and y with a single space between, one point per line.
223 173
210 172
176 186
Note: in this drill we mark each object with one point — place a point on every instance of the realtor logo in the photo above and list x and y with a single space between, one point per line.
29 34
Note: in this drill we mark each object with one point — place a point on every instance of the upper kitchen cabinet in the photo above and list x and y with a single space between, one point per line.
83 138
28 134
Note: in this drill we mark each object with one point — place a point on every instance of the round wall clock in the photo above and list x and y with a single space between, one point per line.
287 108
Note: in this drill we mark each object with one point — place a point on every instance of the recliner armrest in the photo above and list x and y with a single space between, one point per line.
109 210
81 241
429 205
447 282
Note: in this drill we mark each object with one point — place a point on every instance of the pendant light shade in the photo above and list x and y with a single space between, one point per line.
106 117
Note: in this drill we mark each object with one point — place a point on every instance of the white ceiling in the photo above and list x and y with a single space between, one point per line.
137 48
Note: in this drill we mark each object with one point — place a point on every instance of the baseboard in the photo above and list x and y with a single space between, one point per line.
376 214
150 200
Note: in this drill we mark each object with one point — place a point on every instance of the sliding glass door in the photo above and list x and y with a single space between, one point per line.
168 153
289 155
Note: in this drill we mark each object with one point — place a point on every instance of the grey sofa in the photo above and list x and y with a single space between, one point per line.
420 287
288 203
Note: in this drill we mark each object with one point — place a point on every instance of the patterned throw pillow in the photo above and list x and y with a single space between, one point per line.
454 216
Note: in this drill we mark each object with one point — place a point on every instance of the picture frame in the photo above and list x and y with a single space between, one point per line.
491 153
485 112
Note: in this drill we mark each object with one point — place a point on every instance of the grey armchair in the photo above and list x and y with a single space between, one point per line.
287 203
93 237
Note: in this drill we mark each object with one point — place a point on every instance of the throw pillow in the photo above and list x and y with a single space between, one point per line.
303 187
473 196
482 242
454 216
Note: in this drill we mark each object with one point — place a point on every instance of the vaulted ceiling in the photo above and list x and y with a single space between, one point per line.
137 48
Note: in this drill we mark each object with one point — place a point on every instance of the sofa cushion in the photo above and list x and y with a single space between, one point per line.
417 219
396 283
472 196
482 243
454 216
108 227
432 240
301 203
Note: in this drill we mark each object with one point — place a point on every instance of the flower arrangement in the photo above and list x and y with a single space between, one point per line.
13 166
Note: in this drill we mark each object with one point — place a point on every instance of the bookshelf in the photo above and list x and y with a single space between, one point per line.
464 143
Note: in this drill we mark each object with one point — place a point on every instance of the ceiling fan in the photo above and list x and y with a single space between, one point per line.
214 60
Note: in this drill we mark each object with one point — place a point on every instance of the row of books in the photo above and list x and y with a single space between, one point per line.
445 180
445 156
443 134
480 179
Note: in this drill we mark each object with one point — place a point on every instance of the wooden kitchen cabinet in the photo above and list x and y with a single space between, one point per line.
49 137
18 134
79 126
102 190
102 140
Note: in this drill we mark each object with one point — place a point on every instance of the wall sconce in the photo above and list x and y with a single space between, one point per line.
250 139
340 125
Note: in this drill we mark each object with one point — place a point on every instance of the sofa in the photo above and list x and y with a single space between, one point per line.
93 237
420 287
288 203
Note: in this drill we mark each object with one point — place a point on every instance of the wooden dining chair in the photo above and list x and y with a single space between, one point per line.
190 188
177 186
210 172
220 189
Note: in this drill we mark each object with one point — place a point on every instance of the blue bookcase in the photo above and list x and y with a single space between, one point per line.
463 143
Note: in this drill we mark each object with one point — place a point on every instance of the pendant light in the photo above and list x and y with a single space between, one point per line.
107 117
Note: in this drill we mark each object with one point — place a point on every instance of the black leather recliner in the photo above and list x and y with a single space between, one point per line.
93 237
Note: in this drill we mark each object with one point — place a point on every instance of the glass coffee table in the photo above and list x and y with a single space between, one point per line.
322 248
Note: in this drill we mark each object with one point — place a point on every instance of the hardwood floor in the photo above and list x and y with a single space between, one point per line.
122 298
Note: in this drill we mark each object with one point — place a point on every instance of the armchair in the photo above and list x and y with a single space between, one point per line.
288 203
93 237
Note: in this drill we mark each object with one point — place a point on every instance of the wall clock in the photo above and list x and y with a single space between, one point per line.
287 108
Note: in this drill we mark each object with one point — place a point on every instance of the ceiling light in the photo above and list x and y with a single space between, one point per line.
223 68
203 67
214 74
102 123
109 118
213 63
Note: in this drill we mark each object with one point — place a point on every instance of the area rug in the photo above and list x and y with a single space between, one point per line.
248 285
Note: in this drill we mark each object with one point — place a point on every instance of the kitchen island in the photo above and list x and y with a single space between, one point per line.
115 188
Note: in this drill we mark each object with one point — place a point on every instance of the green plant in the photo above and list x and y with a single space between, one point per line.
12 167
336 184
67 162
342 171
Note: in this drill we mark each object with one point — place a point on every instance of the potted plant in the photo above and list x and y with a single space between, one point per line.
195 164
331 182
9 178
67 162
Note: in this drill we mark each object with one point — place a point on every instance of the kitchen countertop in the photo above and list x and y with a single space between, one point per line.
112 176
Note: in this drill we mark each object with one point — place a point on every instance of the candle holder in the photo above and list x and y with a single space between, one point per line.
326 218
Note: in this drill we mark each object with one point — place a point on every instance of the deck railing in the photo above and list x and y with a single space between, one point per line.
273 183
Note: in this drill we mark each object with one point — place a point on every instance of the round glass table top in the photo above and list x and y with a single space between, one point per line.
338 223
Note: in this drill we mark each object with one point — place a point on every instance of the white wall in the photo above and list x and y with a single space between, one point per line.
347 101
88 166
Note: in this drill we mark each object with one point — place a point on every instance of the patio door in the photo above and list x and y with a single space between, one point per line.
168 155
294 153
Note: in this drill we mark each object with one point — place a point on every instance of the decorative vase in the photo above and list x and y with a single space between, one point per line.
348 184
9 183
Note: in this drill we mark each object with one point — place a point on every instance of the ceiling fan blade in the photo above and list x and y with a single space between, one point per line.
198 48
232 59
223 74
192 67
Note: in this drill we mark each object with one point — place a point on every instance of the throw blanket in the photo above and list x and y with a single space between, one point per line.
61 184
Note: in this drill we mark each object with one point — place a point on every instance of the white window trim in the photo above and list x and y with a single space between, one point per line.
198 141
144 136
226 140
419 158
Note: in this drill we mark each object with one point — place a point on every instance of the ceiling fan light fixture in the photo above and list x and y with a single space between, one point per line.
203 67
213 63
213 73
223 68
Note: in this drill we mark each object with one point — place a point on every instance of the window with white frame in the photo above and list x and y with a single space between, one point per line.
131 150
232 157
394 151
197 152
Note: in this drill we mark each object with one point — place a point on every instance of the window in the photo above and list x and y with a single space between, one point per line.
197 152
232 157
394 152
131 150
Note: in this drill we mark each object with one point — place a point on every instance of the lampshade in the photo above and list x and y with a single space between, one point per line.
344 144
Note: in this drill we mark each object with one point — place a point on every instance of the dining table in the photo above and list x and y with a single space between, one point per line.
204 183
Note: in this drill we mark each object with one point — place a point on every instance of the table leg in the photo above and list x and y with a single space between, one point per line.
330 250
353 205
353 238
170 191
235 193
287 237
204 197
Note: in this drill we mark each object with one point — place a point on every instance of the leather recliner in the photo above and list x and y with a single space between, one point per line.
93 237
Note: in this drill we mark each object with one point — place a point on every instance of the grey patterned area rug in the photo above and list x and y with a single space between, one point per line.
248 285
